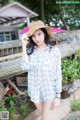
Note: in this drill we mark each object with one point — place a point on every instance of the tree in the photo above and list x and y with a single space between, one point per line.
66 15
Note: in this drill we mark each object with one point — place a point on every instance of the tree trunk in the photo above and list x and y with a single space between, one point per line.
42 10
62 19
48 20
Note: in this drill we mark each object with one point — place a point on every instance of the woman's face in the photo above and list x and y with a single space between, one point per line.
38 37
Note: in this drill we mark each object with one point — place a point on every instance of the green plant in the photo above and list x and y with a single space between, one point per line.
75 105
10 105
70 70
77 54
10 99
23 104
2 106
25 109
16 105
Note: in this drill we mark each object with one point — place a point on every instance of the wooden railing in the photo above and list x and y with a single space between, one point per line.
10 47
9 51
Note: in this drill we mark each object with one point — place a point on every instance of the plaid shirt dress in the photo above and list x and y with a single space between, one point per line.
44 74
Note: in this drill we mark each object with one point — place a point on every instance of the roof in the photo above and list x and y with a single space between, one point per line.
15 11
4 20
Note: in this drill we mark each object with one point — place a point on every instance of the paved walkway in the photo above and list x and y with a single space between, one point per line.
73 116
59 113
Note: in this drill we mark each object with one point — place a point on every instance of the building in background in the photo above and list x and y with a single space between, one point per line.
12 16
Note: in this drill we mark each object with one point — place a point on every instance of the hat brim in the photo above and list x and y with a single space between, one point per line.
48 29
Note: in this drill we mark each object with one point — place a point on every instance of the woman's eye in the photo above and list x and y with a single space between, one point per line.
39 33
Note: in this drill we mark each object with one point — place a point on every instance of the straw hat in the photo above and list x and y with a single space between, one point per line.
35 25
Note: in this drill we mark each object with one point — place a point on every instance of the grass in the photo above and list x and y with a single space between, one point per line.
75 105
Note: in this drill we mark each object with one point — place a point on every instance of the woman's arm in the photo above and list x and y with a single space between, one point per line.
25 58
58 81
24 53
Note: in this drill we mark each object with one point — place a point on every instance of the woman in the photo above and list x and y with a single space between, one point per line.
42 60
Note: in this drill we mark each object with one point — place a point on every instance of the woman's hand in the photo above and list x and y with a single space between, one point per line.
55 103
24 39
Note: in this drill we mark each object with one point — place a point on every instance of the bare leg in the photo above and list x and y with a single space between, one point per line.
39 107
46 114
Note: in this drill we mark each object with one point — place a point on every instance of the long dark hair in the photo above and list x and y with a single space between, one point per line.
30 47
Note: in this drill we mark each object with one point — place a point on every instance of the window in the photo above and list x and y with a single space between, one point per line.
8 36
14 35
1 37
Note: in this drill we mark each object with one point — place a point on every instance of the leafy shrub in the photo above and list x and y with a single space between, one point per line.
25 108
70 69
75 105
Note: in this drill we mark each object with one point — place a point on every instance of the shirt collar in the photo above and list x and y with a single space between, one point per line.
47 48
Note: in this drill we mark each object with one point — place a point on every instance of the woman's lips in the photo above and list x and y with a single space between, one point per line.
38 42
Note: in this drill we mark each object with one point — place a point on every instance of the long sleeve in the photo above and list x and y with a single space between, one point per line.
25 65
25 61
58 81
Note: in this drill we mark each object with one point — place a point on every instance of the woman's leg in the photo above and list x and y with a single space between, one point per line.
39 107
46 113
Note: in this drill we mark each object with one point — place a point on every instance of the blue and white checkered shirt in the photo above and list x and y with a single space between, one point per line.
44 74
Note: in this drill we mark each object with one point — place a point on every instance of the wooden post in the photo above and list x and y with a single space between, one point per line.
14 87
